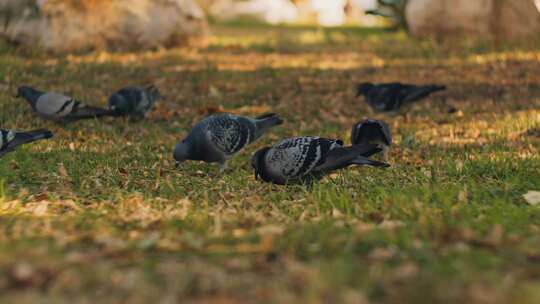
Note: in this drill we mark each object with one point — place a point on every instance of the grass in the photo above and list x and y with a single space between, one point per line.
100 212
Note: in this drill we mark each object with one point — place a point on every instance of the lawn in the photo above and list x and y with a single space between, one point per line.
100 213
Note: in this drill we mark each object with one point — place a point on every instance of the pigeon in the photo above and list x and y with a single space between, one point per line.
301 160
58 107
390 97
135 102
218 137
372 131
11 140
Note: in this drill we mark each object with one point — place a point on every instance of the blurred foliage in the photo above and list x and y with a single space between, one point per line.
394 10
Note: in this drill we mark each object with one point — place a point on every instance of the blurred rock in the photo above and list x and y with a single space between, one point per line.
79 25
492 19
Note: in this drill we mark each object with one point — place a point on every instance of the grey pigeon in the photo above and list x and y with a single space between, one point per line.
372 131
300 160
11 140
135 102
218 137
390 97
58 107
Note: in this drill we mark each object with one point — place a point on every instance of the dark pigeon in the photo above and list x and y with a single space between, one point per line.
301 160
218 137
372 131
11 140
58 107
134 102
391 97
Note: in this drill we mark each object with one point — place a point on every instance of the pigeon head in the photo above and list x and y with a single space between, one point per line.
119 105
363 88
28 93
257 162
182 152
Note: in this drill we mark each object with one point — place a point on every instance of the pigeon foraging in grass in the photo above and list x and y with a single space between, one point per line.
11 140
58 107
134 102
372 131
218 137
391 97
301 160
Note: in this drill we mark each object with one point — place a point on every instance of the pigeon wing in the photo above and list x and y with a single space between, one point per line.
297 157
228 134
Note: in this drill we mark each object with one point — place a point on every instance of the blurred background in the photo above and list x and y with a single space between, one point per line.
73 25
100 211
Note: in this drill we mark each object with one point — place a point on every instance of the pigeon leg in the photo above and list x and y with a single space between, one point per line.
370 111
406 117
385 153
222 166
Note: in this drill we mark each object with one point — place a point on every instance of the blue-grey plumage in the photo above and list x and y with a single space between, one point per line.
58 107
307 158
391 97
218 137
11 140
134 102
372 131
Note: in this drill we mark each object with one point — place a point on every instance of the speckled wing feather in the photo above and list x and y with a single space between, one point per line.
297 157
228 133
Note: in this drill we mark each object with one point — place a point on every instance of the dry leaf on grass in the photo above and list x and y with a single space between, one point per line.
532 197
62 170
391 225
382 254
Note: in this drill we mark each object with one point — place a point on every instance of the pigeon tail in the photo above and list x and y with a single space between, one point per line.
422 92
22 138
266 121
89 112
40 134
364 161
436 87
342 157
266 115
366 150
